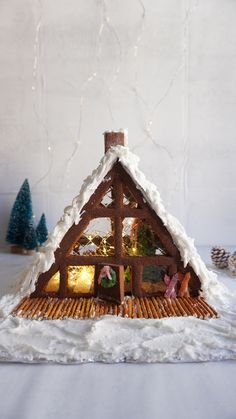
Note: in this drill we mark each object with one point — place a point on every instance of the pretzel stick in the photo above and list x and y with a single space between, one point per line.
97 308
82 311
92 309
88 308
130 307
67 310
180 302
144 310
162 307
72 314
134 309
35 309
153 309
170 304
38 313
193 306
157 308
54 308
149 311
178 313
28 308
140 314
167 308
195 303
181 309
77 310
59 309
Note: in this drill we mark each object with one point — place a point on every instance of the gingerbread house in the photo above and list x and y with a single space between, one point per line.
116 240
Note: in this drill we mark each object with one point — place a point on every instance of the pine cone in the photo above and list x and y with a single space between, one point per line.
220 257
232 263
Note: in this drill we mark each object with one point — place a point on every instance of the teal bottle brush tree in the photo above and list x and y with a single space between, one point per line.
21 233
42 231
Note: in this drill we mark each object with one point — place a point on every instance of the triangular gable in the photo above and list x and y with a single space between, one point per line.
45 259
122 192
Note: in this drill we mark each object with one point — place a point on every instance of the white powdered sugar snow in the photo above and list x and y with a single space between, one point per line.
116 339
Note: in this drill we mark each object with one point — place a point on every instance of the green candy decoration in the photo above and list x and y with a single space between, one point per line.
128 275
109 283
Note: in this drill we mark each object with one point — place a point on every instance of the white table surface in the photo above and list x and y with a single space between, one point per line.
201 391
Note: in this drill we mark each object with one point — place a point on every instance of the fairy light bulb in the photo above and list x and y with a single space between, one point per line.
134 250
85 274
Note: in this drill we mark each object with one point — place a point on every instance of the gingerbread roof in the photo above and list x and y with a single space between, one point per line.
72 214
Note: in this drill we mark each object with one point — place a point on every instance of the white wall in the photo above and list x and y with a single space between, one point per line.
165 69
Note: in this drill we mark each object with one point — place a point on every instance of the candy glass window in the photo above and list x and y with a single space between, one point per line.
97 239
139 239
153 279
81 279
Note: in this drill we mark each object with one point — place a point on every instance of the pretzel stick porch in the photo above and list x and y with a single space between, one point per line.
48 308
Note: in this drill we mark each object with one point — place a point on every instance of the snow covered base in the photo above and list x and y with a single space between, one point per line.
113 339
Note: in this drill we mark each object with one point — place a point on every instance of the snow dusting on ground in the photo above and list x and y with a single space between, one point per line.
114 339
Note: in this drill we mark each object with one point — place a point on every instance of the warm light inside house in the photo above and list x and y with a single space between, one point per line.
81 279
134 250
53 283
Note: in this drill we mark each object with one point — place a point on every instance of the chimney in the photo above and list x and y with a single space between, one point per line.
112 138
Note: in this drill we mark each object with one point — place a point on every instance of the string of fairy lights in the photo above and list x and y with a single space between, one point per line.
38 87
146 112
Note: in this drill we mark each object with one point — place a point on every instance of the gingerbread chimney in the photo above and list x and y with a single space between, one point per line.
112 138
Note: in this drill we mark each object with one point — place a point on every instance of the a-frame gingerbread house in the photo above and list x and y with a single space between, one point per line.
117 243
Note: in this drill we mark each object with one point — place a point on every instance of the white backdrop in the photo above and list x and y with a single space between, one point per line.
164 69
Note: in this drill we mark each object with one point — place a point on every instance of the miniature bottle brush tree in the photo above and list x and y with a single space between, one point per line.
21 233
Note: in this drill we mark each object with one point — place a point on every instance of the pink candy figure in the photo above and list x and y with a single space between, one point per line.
104 273
171 284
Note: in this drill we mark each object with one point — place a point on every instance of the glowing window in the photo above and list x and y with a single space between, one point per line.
81 279
53 283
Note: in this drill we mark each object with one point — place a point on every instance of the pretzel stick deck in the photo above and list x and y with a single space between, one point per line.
51 308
